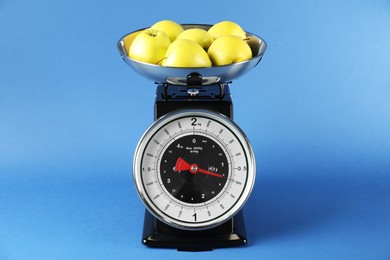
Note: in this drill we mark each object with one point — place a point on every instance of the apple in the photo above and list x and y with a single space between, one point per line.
186 54
149 46
226 27
198 35
171 28
228 49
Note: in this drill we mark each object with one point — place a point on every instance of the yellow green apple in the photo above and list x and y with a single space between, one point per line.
228 49
187 54
198 35
149 46
226 27
171 28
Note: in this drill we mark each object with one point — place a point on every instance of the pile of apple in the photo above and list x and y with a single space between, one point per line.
167 43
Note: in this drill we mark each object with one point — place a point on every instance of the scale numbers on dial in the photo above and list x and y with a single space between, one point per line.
194 169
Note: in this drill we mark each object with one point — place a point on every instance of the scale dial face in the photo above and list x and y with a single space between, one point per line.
194 169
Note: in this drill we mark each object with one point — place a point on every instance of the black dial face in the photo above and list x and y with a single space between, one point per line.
187 156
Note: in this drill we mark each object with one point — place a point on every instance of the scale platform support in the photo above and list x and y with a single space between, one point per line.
231 233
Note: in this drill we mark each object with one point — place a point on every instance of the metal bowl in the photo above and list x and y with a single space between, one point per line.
178 76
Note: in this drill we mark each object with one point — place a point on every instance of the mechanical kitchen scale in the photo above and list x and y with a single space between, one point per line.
194 168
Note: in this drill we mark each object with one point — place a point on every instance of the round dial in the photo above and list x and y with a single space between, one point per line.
194 169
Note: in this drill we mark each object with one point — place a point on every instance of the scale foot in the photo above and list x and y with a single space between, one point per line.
229 234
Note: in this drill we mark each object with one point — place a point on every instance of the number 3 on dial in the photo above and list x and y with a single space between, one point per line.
194 169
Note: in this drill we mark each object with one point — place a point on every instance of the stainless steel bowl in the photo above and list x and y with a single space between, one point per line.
178 76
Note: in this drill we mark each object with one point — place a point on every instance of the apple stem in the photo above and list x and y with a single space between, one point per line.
247 39
158 62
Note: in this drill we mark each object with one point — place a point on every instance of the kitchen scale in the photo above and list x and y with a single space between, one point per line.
194 168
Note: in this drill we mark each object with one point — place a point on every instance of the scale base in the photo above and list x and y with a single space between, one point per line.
229 234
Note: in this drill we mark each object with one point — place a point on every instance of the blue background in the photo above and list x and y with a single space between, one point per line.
316 110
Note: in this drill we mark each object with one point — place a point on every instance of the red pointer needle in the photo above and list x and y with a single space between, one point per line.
182 165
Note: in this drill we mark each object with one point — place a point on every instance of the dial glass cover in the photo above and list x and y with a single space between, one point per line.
194 169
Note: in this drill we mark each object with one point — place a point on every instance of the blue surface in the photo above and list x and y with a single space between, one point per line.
316 110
